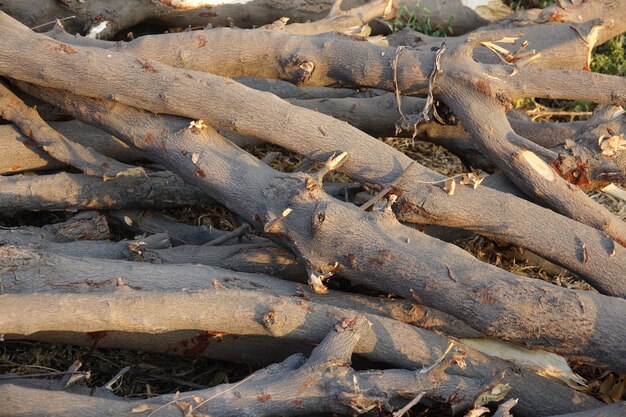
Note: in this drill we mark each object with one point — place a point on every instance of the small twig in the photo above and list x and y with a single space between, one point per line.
238 232
396 88
438 361
116 378
333 163
385 190
277 220
504 408
44 375
270 157
335 9
53 22
72 375
407 407
249 377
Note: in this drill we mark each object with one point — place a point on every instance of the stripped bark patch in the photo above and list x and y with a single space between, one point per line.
264 398
59 47
538 165
146 66
483 86
201 41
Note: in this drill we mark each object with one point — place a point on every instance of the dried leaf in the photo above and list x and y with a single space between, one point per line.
197 399
197 125
450 185
128 220
195 157
185 407
612 145
141 408
471 179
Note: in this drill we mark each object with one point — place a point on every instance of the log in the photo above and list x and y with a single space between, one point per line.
116 17
16 157
65 191
13 109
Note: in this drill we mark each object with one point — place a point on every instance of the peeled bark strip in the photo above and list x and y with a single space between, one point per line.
408 259
58 146
17 157
323 383
79 192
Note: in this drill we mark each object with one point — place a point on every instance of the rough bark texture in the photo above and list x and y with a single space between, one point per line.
395 262
65 191
183 101
19 155
423 203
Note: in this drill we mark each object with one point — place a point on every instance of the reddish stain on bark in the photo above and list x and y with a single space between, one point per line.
556 16
198 344
200 41
264 398
105 165
207 14
483 86
485 296
148 138
29 133
270 317
200 173
146 66
95 337
578 176
15 167
296 402
351 260
30 142
59 47
280 251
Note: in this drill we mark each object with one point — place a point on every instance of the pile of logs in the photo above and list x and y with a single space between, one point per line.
117 130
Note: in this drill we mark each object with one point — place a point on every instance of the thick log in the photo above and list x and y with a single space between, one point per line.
79 192
17 157
58 146
104 19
